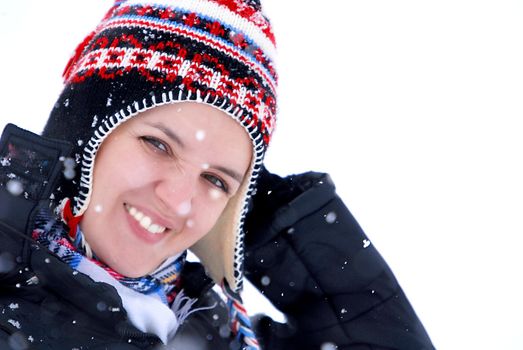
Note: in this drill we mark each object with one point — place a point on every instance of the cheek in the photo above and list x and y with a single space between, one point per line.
129 170
207 211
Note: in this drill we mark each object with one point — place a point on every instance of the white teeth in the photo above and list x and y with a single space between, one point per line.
144 221
156 228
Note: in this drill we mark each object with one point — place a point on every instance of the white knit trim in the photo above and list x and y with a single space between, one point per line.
220 13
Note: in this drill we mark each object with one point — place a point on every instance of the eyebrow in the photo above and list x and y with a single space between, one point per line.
236 176
175 138
170 134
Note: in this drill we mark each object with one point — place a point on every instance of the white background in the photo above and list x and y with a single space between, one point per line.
414 107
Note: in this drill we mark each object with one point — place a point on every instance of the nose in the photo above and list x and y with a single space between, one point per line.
176 190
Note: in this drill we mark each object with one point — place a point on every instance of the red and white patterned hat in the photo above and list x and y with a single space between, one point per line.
145 54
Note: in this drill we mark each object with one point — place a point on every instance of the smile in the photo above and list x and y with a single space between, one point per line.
144 221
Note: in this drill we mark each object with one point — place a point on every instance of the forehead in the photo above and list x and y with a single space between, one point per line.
189 115
195 127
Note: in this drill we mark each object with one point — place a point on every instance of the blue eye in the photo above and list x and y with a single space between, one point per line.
157 144
217 182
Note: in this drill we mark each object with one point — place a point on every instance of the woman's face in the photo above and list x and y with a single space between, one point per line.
161 180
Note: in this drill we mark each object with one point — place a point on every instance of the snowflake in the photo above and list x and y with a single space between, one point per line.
14 323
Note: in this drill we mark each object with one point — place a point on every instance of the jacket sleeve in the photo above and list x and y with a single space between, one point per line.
308 255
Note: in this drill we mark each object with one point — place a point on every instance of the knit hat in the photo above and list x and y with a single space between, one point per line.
145 54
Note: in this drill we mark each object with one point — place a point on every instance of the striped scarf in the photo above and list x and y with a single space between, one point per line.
163 282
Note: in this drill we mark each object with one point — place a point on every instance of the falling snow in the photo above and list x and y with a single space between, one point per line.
331 217
69 162
69 165
184 208
265 281
98 208
69 174
13 306
14 323
366 243
32 281
215 194
328 346
200 135
101 306
224 331
15 187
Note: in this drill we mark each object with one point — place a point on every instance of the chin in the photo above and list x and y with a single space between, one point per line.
137 269
134 272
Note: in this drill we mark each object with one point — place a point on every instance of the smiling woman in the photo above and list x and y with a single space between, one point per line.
168 108
160 186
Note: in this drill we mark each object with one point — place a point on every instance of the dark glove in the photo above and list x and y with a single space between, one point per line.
33 164
307 254
273 195
30 167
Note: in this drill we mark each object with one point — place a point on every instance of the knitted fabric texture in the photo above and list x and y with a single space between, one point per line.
240 322
145 54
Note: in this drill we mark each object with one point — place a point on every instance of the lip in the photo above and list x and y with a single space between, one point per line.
141 232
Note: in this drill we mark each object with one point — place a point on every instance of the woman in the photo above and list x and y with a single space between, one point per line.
170 106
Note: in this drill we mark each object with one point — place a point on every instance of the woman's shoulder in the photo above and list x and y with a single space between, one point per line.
47 305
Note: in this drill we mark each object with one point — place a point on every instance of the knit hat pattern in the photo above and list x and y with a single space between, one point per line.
145 54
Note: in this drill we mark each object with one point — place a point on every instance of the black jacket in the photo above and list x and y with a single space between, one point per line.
324 273
304 251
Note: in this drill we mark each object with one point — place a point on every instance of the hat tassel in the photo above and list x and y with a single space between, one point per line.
240 322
